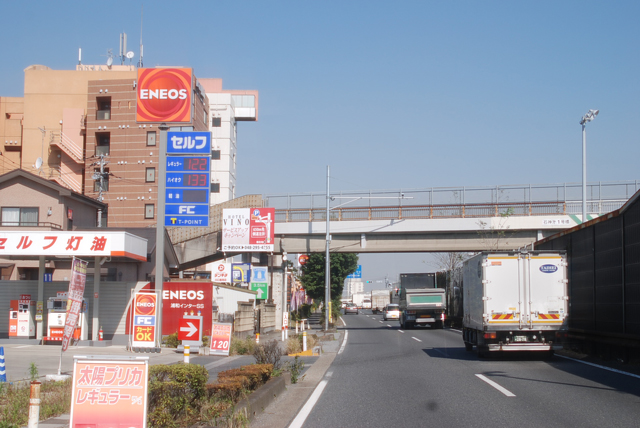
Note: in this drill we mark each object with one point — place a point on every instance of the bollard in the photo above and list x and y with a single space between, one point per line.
304 341
34 404
3 372
257 338
283 333
186 354
296 327
286 333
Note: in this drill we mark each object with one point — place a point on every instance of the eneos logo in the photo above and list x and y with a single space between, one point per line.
145 304
548 268
164 95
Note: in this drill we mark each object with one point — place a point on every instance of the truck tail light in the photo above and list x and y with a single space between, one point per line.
490 335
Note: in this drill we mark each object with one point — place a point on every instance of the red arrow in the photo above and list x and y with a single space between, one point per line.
192 329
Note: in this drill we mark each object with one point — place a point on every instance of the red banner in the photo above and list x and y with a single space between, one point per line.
76 291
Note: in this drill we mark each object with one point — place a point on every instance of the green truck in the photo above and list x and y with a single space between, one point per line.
421 303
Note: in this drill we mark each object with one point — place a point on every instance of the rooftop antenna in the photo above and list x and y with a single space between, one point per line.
109 58
123 47
140 64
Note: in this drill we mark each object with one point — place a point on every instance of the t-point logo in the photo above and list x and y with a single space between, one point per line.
548 268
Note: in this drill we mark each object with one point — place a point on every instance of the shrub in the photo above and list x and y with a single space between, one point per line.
233 384
268 353
175 391
242 346
171 341
294 343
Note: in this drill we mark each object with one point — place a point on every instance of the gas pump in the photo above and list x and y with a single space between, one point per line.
57 316
21 317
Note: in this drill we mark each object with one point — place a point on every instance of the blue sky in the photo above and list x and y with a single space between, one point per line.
408 94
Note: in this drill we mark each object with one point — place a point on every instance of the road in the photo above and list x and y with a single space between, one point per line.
386 376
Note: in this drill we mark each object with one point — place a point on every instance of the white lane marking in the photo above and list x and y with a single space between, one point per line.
388 325
401 331
416 339
380 322
344 342
600 367
343 323
496 386
328 374
455 329
24 346
306 409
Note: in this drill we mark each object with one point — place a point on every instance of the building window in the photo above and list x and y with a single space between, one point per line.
215 187
103 143
151 138
105 180
215 155
148 210
19 216
216 122
103 108
150 175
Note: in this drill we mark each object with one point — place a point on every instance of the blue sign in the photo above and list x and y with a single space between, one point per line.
145 320
48 277
187 196
548 268
189 143
187 209
183 220
357 273
258 274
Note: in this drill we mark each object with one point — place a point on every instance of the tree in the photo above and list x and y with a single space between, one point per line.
313 278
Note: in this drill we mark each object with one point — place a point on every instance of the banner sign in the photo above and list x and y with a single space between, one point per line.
74 304
248 229
164 95
220 339
145 307
109 392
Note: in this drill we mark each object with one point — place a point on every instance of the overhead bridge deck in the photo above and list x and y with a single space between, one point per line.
401 227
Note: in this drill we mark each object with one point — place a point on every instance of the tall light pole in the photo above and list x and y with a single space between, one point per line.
327 263
591 114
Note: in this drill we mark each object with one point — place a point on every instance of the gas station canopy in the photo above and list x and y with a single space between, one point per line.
72 243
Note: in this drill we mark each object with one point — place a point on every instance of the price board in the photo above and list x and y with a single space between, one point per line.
220 339
188 187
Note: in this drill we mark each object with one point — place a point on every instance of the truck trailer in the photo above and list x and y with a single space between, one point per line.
514 301
421 303
379 300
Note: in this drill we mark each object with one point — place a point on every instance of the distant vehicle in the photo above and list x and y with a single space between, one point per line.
366 302
515 301
358 299
391 312
350 308
379 300
420 302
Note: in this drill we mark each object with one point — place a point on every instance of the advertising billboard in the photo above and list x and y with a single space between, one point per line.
144 320
164 95
248 229
179 298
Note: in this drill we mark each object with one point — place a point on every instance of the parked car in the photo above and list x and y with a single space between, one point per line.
351 308
391 312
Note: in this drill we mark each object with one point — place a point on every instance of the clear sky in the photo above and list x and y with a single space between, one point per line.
407 94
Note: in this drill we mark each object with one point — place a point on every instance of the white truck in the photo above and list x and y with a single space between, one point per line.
379 300
358 299
515 301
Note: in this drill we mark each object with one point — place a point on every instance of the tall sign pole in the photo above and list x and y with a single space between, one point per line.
327 265
162 172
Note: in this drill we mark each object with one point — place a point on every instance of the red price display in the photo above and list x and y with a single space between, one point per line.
196 180
220 339
196 164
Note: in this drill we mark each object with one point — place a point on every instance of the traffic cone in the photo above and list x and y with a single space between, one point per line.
3 373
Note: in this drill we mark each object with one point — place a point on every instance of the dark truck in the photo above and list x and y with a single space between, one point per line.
421 302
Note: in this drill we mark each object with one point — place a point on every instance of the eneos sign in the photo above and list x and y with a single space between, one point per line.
164 95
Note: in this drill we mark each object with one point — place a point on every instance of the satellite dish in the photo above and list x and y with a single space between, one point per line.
130 54
38 163
109 61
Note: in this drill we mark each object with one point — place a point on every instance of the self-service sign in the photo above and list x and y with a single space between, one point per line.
144 320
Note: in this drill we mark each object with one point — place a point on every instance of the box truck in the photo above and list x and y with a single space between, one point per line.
420 302
515 301
379 300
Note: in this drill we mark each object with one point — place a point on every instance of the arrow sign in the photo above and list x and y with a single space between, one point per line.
189 329
261 288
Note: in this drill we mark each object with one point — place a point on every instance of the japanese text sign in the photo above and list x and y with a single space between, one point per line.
248 229
189 143
109 392
191 298
144 320
220 339
164 95
76 292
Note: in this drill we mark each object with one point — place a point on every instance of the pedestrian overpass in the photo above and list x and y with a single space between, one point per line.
465 219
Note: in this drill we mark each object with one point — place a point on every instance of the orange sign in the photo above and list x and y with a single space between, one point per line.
144 320
164 95
220 339
109 392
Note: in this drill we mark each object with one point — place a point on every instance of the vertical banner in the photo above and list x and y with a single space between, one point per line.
144 320
74 304
109 392
220 339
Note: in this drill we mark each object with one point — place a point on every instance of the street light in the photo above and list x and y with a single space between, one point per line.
591 114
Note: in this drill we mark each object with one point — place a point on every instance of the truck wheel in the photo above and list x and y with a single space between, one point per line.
468 346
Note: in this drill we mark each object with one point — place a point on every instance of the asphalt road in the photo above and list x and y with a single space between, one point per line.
386 376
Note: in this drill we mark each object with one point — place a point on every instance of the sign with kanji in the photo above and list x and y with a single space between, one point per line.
248 229
72 243
145 307
220 339
74 304
193 298
109 392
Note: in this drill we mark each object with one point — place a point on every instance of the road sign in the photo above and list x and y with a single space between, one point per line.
190 328
262 288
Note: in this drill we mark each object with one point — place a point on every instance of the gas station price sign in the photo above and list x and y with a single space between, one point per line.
187 191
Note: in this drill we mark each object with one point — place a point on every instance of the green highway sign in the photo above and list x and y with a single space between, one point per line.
261 288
